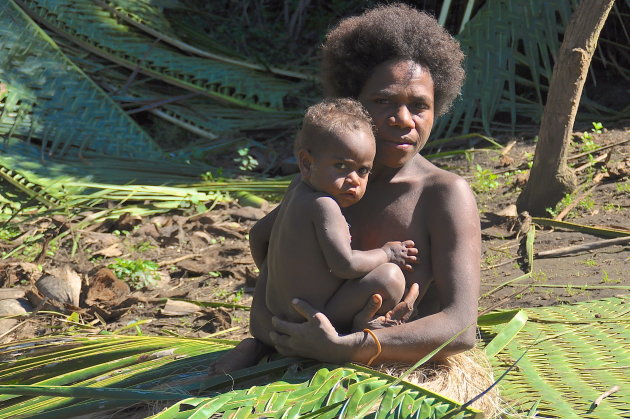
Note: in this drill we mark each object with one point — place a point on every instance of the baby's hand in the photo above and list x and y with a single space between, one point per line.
402 253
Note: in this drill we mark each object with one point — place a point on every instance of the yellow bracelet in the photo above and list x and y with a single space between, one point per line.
378 346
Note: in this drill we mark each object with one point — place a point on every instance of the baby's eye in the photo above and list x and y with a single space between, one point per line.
340 166
363 171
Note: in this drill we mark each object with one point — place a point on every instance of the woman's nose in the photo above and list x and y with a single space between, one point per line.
402 117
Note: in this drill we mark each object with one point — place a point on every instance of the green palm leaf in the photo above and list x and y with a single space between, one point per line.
50 100
149 18
576 352
91 27
500 41
193 112
106 372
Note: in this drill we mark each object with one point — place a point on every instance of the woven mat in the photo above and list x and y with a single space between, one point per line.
582 351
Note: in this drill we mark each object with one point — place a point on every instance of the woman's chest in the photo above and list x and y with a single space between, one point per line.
386 215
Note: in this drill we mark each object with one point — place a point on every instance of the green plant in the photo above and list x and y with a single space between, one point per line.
597 127
137 273
564 202
587 138
484 180
587 204
612 207
143 246
539 276
607 280
245 160
8 232
623 187
590 262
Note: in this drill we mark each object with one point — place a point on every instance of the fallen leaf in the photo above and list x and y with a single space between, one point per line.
110 251
14 307
15 272
11 293
179 308
105 286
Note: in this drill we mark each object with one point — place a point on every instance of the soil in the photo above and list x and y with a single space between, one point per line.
204 259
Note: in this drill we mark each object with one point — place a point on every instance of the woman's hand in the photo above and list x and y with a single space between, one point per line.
315 338
367 318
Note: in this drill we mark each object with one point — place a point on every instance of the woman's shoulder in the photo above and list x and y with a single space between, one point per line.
443 187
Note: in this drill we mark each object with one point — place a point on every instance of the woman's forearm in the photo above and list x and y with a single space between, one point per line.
409 342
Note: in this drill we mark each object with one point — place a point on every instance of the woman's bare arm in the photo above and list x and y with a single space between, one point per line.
455 266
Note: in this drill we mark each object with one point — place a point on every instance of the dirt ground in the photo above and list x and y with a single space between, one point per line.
202 277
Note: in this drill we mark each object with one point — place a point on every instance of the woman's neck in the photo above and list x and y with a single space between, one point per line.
382 173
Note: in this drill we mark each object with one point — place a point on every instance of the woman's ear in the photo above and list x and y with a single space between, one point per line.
305 161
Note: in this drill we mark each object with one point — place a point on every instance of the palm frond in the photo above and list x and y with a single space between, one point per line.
577 352
88 25
113 372
50 100
150 19
502 40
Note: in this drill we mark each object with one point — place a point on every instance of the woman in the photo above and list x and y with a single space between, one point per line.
405 69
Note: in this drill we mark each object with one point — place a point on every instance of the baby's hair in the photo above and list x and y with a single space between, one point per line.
358 44
331 116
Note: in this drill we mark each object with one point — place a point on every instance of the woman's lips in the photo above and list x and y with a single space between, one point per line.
400 144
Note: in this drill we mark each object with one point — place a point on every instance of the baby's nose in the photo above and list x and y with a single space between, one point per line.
353 178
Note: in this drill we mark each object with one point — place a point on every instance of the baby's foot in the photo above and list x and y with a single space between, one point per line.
246 354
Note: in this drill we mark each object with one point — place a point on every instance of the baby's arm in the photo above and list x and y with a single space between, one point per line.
334 240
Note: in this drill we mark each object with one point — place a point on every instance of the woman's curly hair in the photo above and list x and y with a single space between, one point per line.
358 44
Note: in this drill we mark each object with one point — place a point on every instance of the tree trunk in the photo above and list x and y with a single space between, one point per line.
550 178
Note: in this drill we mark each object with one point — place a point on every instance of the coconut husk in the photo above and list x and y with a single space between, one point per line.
459 377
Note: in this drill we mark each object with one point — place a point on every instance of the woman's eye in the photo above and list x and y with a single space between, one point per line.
419 106
381 100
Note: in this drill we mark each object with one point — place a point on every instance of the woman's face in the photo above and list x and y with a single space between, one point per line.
399 97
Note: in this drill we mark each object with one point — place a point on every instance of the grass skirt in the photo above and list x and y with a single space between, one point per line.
459 377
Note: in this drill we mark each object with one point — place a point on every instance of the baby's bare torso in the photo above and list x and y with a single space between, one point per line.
295 262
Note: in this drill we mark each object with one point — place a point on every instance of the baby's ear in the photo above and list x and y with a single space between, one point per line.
305 160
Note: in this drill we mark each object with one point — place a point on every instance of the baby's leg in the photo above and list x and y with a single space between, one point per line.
386 280
251 350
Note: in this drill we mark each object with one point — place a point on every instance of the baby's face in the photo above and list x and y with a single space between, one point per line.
341 167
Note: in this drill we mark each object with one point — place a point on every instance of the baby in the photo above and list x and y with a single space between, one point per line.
309 255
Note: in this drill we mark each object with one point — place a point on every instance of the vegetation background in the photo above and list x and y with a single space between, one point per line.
140 136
